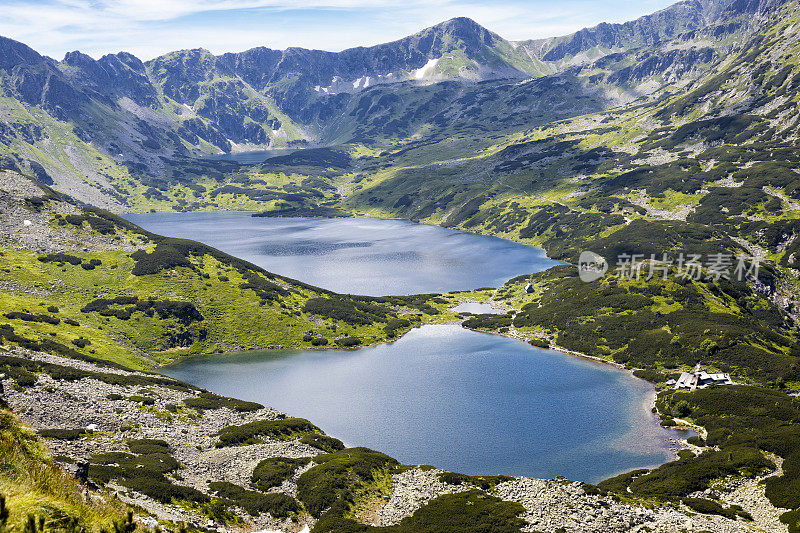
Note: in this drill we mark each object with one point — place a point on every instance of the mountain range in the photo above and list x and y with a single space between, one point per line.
119 117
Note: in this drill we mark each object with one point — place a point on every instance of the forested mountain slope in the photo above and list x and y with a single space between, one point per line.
719 158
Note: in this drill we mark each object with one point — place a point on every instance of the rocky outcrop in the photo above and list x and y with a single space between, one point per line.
36 80
110 78
671 64
114 416
649 30
26 219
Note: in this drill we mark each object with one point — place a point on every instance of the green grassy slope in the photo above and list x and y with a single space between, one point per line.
32 485
709 157
660 326
140 299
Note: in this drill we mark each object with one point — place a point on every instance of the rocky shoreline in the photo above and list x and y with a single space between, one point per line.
549 504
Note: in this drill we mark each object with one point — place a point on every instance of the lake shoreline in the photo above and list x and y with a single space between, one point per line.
552 347
549 390
332 239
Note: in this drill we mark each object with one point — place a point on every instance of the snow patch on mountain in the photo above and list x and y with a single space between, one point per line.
426 70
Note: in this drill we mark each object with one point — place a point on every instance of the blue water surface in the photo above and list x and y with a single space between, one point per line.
442 395
460 400
368 256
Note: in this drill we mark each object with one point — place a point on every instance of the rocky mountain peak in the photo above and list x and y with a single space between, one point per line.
466 30
127 59
78 59
13 53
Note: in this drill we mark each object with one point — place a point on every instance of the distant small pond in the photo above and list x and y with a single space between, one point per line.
251 158
368 256
460 400
477 308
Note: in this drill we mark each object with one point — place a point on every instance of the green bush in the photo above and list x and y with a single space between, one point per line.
80 342
466 512
682 409
653 376
483 482
394 324
332 522
539 343
348 342
277 504
337 476
101 225
75 220
153 464
28 317
792 520
350 311
163 490
275 470
685 454
62 434
21 376
702 505
688 475
323 442
209 400
144 473
784 491
264 289
488 322
186 312
148 446
252 432
144 400
163 257
61 258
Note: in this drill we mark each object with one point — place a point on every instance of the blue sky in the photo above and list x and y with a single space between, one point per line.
148 28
